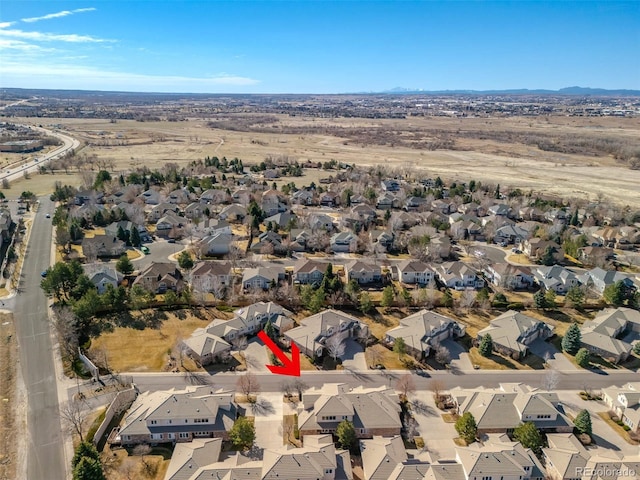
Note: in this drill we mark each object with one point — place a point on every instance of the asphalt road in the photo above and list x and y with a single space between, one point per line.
45 458
69 143
269 382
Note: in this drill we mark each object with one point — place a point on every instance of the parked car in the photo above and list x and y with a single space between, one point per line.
43 274
145 250
47 216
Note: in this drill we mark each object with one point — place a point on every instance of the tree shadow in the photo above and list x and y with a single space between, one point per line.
421 408
262 407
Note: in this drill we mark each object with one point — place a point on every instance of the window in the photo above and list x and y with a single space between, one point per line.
328 470
201 420
183 435
154 422
171 436
156 436
329 417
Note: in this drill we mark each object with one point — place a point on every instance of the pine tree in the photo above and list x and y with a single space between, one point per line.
387 297
583 422
539 300
529 437
399 346
136 241
346 434
583 357
572 339
124 265
270 330
575 296
486 346
88 469
467 428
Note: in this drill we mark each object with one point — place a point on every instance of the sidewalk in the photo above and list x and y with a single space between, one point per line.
268 413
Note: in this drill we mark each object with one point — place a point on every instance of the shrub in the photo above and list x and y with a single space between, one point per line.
516 306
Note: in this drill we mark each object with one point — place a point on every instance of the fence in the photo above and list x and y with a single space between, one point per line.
121 402
89 364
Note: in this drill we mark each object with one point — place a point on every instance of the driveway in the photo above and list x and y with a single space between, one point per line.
603 434
437 435
353 358
256 356
267 413
459 356
556 359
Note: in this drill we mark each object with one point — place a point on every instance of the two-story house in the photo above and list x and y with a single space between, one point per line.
415 272
512 333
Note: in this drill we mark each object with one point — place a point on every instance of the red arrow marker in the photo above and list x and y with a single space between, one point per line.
289 367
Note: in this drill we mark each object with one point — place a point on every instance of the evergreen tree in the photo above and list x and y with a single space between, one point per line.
550 298
539 300
346 434
529 437
572 339
84 449
124 265
316 302
88 469
467 428
185 261
583 358
447 299
387 296
574 218
547 257
636 348
135 239
366 305
400 347
486 346
615 294
270 330
583 422
575 296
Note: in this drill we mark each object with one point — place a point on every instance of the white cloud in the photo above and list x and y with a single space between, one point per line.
51 37
72 76
63 13
6 24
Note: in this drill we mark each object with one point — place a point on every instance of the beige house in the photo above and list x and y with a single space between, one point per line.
177 416
612 333
502 409
625 402
512 333
423 330
373 411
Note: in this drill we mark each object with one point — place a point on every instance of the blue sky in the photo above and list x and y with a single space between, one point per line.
317 47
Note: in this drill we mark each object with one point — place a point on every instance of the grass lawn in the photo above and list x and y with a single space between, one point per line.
499 362
386 357
449 417
132 254
129 349
122 459
619 430
380 321
305 363
93 232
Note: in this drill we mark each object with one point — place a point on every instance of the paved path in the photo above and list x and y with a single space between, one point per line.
256 356
268 420
460 360
353 358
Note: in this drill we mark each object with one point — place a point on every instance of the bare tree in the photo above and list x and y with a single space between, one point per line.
142 450
64 321
299 386
443 356
551 380
286 388
248 385
468 299
405 385
74 416
437 386
335 346
240 344
376 356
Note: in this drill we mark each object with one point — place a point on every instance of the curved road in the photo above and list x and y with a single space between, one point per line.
69 143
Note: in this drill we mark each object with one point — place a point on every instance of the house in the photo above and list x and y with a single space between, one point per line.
102 275
320 221
177 416
502 409
169 224
233 213
555 278
373 411
241 196
595 255
88 197
458 275
103 246
511 277
387 201
358 199
363 272
195 210
211 276
567 459
497 457
531 213
557 215
511 235
268 240
317 459
415 272
213 226
443 207
216 244
468 230
423 330
213 196
160 277
599 279
282 220
612 334
415 204
181 196
391 185
500 210
303 197
309 272
127 226
625 403
329 199
272 203
262 277
382 239
440 246
385 458
344 242
151 197
535 249
363 213
314 331
160 210
512 333
213 342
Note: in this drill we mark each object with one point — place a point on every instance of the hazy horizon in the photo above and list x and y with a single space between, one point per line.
318 47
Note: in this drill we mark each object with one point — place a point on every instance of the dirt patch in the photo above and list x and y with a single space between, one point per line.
11 417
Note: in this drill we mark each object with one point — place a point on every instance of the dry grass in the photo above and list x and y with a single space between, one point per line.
305 363
40 184
386 357
121 462
11 421
93 232
449 417
618 429
500 362
146 350
380 321
488 160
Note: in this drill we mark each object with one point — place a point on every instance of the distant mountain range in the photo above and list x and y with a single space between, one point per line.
519 91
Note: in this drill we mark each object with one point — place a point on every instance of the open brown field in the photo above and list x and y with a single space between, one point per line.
495 150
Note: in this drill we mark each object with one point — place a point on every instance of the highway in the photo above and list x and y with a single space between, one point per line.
45 458
69 143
